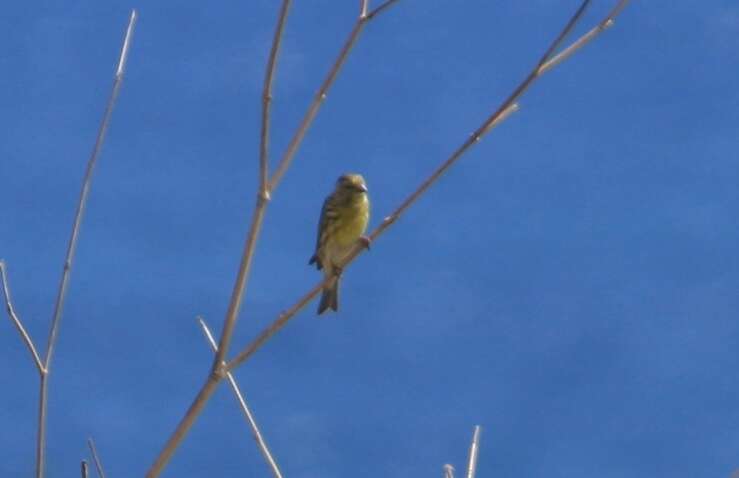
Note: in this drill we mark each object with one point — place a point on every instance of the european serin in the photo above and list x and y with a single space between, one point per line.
344 218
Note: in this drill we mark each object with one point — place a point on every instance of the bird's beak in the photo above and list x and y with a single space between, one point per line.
362 188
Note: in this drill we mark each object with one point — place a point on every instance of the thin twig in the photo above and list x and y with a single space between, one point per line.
244 407
95 458
72 246
83 469
218 370
267 99
17 321
501 113
474 450
379 9
275 326
362 19
448 471
604 24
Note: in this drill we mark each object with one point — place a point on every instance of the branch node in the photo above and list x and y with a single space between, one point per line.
219 372
263 196
256 434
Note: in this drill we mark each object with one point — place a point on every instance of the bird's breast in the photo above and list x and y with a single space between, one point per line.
353 224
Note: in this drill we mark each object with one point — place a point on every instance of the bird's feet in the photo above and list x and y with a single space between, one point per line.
365 241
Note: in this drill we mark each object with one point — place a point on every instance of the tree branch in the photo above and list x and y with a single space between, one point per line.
604 24
17 321
239 290
95 458
218 370
244 407
72 246
362 19
506 108
381 8
474 450
267 99
83 469
448 471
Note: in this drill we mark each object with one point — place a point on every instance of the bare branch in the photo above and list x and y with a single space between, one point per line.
244 407
237 295
448 471
474 450
96 458
267 99
83 469
376 11
204 394
72 246
123 57
239 289
17 321
322 92
84 193
607 22
501 113
275 326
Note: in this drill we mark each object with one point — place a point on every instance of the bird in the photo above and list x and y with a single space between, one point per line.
344 218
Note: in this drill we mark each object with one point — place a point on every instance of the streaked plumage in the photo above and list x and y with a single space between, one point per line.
344 219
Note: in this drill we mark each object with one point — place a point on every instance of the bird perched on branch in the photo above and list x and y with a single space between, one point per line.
344 218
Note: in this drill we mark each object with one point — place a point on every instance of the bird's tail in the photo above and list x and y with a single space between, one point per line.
330 297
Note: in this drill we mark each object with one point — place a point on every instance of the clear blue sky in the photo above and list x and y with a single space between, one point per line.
571 285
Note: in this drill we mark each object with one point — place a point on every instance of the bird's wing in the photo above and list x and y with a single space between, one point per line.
328 215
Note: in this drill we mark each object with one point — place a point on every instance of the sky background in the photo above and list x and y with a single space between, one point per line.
571 285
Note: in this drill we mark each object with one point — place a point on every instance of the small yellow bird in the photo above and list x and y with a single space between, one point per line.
344 219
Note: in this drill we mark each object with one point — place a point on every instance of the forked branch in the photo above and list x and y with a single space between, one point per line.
607 22
362 19
239 289
244 407
507 107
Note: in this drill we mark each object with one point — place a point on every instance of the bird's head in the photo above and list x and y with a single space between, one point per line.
351 185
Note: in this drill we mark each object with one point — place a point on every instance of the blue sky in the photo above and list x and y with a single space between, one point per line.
571 285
